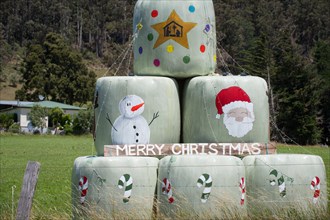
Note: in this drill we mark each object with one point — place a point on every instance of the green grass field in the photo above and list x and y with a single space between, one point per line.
56 154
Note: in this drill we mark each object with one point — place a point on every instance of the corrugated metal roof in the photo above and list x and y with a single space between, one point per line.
47 104
51 104
15 103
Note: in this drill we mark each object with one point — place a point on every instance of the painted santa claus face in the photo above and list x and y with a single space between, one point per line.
238 121
237 109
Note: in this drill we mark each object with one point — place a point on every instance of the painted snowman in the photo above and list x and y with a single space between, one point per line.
131 127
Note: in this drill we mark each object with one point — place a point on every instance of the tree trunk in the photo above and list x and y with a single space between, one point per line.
79 27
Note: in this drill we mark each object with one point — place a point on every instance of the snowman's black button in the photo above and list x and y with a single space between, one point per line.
137 140
137 134
134 126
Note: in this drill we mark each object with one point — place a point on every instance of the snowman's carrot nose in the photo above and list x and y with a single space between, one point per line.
136 107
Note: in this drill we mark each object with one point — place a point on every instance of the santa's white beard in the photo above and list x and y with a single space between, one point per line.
238 128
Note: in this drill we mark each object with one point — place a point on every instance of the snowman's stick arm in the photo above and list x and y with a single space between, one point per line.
108 118
156 115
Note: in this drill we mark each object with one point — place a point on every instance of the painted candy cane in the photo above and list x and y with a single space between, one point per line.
83 187
167 190
207 180
242 187
128 180
281 186
280 182
273 181
315 185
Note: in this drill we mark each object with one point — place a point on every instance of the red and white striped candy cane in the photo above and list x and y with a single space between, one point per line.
242 187
315 185
83 187
167 190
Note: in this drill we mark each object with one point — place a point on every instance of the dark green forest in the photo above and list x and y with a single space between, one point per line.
286 42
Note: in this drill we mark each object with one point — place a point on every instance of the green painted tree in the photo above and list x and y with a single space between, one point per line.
53 70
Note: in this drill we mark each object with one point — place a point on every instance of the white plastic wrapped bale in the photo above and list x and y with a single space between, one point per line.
204 186
225 109
136 110
114 187
175 38
286 182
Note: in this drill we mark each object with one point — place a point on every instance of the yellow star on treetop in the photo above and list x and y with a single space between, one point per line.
174 28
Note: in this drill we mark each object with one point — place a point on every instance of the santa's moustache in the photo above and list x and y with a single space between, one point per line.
238 128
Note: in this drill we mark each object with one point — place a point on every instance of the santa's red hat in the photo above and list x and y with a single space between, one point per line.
231 98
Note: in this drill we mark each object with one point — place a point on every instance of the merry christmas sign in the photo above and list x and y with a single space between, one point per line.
189 149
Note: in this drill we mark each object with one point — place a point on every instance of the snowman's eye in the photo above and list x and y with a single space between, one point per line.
128 104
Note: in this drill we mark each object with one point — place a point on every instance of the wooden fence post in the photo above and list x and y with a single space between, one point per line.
29 185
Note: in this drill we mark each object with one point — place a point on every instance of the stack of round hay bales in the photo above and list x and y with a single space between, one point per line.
175 96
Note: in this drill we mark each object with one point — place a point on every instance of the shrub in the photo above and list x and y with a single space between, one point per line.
38 115
68 129
66 119
6 120
14 128
83 121
55 116
37 131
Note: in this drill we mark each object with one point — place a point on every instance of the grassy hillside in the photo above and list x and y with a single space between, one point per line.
56 155
11 79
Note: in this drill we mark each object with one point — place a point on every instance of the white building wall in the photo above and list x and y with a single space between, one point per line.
25 123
